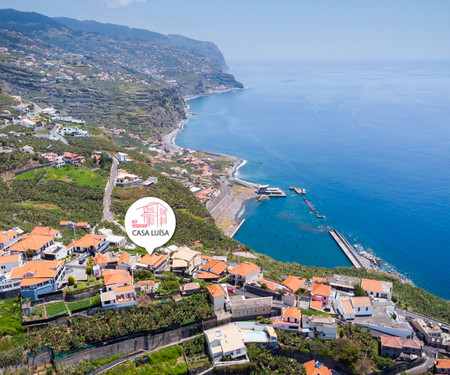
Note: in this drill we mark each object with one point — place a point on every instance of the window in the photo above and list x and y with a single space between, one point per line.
367 309
239 312
247 312
264 310
256 310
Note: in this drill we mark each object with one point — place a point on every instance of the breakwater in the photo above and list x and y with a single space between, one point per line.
348 250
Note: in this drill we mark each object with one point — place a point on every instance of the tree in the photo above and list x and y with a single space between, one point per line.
71 280
89 270
359 291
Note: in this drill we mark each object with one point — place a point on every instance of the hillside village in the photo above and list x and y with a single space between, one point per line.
78 297
62 276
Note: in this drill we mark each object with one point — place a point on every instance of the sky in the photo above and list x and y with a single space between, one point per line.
279 30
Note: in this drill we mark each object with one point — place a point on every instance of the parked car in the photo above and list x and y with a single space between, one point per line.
231 290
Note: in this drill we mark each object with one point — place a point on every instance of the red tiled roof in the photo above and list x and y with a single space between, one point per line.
125 257
215 266
292 312
391 341
44 231
313 369
153 260
294 283
442 363
116 276
88 240
321 290
244 269
31 242
315 305
372 285
207 275
215 290
7 235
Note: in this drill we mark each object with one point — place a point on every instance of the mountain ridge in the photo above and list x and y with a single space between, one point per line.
123 32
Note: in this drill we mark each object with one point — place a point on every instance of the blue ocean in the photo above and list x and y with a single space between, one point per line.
370 143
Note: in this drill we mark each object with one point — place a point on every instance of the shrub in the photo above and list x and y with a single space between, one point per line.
71 280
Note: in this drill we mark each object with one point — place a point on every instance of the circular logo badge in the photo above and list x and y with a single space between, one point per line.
150 223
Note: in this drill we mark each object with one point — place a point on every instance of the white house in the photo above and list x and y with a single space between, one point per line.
10 261
323 327
186 260
362 305
119 290
245 272
225 341
216 296
289 321
8 238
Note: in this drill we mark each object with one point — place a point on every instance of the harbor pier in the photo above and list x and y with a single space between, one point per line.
348 249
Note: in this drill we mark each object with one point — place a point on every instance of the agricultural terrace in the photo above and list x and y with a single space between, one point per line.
109 324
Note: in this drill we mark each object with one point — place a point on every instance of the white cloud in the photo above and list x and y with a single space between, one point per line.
120 3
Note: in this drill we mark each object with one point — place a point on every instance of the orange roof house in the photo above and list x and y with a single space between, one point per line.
321 290
391 341
315 305
114 277
316 368
34 274
212 270
45 231
292 312
294 283
125 258
89 242
372 285
442 365
7 238
154 261
216 296
245 272
377 288
32 242
101 259
215 290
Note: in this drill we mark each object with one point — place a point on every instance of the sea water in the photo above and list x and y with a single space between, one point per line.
369 141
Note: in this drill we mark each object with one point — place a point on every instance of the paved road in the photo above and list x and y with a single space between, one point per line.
54 133
216 201
422 368
107 214
414 315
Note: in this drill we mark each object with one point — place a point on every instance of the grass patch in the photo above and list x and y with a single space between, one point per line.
91 281
313 312
167 361
83 303
74 175
39 204
10 317
54 309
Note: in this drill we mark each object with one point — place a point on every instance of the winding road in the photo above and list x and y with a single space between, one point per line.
107 214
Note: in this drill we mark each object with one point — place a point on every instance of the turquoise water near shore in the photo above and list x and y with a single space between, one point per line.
370 142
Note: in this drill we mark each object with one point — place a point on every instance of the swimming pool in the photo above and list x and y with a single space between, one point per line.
256 336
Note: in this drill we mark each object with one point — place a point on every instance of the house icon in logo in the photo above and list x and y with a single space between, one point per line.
154 214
